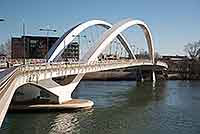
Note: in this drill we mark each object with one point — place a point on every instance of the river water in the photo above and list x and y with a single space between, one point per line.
121 107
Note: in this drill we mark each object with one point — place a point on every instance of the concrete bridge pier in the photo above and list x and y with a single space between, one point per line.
142 76
67 90
62 92
139 76
153 79
153 76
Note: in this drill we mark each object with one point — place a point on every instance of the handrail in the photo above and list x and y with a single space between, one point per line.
58 65
7 77
8 80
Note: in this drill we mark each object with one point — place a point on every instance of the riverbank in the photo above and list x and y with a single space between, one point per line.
183 76
186 69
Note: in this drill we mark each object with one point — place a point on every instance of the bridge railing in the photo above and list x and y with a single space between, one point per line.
5 81
59 65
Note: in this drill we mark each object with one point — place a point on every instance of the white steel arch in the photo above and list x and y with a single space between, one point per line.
112 33
57 49
108 36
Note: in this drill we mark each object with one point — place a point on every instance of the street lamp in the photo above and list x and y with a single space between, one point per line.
133 48
47 30
24 42
117 44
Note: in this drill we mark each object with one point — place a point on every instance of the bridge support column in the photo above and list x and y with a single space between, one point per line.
66 91
139 76
153 79
153 76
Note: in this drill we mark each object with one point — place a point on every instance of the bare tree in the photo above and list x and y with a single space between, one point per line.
193 49
5 48
157 55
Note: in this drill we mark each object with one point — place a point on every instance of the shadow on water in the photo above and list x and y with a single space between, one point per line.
120 93
144 93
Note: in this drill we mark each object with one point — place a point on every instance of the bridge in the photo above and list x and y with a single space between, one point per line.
40 75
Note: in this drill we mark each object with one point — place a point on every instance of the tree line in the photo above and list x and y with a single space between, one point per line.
193 50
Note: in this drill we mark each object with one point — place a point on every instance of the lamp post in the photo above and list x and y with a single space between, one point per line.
47 30
1 19
133 48
110 48
24 43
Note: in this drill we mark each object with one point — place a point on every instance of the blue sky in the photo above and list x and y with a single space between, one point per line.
173 23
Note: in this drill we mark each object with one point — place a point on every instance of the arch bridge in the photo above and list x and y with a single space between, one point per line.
41 75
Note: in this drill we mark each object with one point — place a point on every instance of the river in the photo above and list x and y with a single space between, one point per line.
121 107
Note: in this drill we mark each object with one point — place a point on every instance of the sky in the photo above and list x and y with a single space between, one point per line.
173 23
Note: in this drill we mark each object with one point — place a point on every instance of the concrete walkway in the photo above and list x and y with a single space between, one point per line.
4 73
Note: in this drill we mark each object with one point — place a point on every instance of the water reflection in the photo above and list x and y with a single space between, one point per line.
68 122
144 93
20 123
120 107
43 123
64 123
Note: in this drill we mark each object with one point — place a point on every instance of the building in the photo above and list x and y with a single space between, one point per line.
174 58
35 47
71 53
